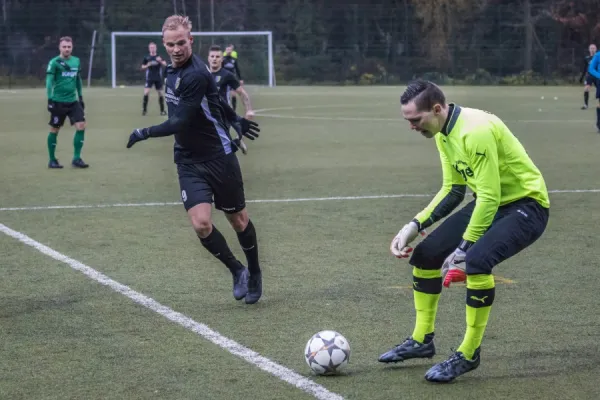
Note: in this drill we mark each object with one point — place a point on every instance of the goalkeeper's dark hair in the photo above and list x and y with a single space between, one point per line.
215 47
425 94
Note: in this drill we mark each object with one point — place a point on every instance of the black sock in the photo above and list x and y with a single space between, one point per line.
234 103
216 244
586 98
249 244
145 102
161 102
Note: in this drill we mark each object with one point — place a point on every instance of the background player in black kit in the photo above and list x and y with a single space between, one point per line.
153 65
587 79
206 162
226 83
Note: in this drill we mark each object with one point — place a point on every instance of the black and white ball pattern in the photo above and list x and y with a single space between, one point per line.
327 352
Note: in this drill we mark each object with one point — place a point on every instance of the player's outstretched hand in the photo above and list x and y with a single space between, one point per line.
138 135
249 128
405 236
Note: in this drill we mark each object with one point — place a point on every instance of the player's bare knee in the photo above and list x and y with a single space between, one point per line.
238 220
54 130
80 126
201 220
202 226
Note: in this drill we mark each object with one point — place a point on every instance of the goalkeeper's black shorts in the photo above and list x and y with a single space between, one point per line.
516 226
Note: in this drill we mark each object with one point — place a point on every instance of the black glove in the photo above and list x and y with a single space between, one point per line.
81 102
248 128
138 135
50 105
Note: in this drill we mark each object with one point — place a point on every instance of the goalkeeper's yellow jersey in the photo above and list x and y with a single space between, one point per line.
478 150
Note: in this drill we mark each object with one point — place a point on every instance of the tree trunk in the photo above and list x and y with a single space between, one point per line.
199 22
101 25
527 21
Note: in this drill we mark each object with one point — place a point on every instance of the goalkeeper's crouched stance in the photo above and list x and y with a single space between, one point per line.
509 213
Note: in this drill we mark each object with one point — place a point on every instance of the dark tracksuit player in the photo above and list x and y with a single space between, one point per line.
153 65
207 166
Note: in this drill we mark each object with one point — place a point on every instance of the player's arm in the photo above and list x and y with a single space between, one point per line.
145 64
50 72
451 194
594 67
235 85
79 87
50 82
161 61
447 199
190 104
482 154
482 151
246 100
243 126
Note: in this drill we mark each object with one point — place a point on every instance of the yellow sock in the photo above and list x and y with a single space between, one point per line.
427 286
480 297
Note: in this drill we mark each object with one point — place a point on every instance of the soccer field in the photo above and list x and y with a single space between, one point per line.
106 293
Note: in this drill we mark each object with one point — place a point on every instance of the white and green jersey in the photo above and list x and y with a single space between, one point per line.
478 150
63 79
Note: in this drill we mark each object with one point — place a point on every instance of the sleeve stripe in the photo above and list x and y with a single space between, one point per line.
454 197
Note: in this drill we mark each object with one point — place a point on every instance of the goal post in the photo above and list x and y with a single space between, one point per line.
265 35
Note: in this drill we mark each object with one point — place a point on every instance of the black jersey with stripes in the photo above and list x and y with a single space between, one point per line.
226 82
192 95
154 72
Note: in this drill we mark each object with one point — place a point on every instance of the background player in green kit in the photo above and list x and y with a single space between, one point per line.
509 213
63 86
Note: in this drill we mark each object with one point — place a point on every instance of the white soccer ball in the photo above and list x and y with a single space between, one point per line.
327 352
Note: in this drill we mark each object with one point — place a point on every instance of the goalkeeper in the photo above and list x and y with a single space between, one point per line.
509 213
63 87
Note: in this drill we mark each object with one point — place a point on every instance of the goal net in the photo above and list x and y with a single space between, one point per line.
255 54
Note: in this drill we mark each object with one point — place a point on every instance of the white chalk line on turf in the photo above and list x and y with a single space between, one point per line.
294 108
370 119
259 201
281 372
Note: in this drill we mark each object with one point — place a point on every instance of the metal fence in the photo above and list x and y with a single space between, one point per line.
317 41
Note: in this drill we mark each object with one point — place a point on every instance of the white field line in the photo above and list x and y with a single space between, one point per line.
259 201
370 119
318 107
281 372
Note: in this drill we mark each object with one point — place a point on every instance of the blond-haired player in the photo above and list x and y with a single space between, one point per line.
207 166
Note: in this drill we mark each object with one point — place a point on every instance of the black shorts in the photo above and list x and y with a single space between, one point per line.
158 83
60 111
589 80
516 226
218 180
